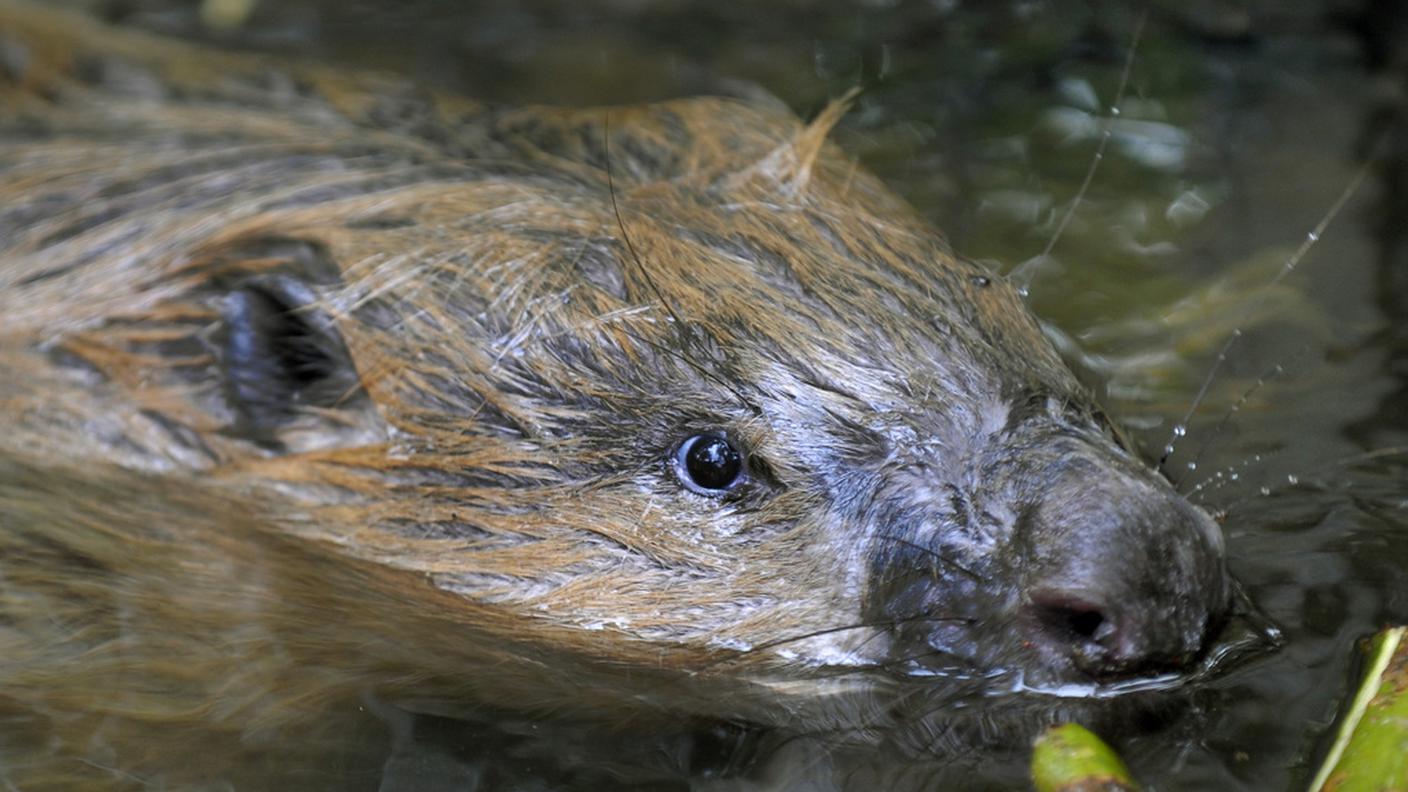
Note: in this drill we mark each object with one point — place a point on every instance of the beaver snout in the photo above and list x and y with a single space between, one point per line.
1126 577
1067 562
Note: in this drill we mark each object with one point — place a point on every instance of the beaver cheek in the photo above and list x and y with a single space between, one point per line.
935 599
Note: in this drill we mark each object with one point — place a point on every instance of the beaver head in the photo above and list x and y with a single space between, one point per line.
675 388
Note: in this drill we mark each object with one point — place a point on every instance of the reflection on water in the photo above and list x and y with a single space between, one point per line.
1237 132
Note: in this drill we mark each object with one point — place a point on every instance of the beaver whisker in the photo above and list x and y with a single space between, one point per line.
937 556
1107 131
892 665
930 672
115 772
1216 431
644 272
929 651
1181 427
841 672
889 624
1356 181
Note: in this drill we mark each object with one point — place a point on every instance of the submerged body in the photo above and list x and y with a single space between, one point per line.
315 388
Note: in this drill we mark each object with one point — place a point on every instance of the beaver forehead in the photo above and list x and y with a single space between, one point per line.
814 302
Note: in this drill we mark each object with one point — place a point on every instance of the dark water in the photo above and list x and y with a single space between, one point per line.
1239 128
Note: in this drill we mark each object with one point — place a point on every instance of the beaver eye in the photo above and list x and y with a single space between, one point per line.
709 464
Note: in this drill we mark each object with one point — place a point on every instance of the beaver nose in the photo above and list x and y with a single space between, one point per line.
1126 578
1106 638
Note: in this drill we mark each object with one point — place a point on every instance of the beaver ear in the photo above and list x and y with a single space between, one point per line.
285 366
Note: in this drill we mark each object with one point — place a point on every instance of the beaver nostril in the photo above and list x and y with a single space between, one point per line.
1083 623
1071 618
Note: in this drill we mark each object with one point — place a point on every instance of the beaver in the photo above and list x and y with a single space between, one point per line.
320 388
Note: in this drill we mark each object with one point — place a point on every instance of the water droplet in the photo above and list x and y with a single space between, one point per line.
1235 476
1192 465
1293 479
1168 449
1265 490
1114 111
1180 430
1313 237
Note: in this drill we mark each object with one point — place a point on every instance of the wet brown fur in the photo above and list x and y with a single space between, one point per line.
464 524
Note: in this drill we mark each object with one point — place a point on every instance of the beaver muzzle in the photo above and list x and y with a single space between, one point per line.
1081 565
